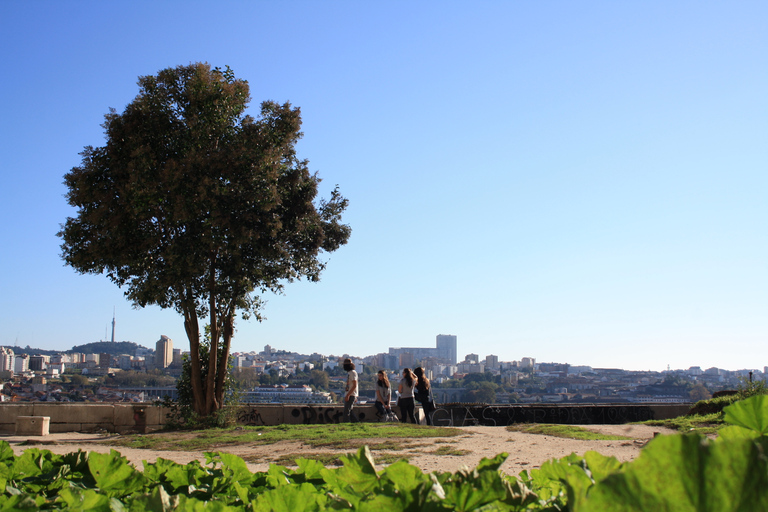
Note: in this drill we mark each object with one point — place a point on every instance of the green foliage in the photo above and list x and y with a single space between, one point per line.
107 347
182 413
712 405
319 379
673 473
748 387
131 378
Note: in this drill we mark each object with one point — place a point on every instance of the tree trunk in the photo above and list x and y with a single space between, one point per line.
213 354
221 376
192 328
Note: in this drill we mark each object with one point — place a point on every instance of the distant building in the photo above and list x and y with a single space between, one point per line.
293 394
177 357
21 364
6 360
492 362
105 360
444 351
407 360
446 348
38 363
163 352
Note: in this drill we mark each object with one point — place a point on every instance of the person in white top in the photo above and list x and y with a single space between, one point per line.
350 397
406 396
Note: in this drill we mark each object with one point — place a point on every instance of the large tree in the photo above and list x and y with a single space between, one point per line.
196 206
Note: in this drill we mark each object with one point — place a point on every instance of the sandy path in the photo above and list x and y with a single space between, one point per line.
525 451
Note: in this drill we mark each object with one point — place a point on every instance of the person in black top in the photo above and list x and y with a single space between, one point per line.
423 394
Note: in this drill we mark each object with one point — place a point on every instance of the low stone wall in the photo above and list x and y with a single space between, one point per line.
143 418
573 414
77 417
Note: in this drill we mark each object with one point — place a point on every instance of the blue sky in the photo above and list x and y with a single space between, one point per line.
580 182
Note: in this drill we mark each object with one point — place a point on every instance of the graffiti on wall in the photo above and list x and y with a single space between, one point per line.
458 415
249 416
309 415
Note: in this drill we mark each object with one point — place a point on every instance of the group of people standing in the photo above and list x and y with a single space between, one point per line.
414 386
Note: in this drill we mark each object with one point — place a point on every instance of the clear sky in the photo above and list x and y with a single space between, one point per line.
580 182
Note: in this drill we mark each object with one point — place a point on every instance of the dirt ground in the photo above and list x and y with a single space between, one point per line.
526 451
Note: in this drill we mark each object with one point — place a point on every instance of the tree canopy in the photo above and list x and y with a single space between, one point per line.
194 205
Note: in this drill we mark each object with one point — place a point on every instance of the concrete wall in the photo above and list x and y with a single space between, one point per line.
575 414
142 418
70 417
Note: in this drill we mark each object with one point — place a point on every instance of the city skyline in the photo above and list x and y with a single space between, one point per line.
580 183
417 353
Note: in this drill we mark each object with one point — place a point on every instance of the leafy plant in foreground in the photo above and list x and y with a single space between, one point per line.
679 472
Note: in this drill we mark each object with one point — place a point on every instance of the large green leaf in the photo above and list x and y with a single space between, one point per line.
572 472
736 432
186 504
309 470
114 475
403 476
16 502
85 500
33 462
687 474
493 464
472 489
235 468
173 476
277 476
404 484
356 478
600 466
6 453
290 498
751 413
157 501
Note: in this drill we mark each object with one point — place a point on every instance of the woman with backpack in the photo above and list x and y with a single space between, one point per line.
423 394
405 401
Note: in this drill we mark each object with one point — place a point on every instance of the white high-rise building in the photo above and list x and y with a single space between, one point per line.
21 364
6 359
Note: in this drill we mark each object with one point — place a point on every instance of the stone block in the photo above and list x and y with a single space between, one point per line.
32 425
